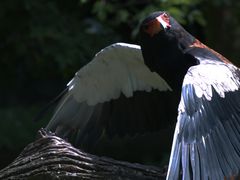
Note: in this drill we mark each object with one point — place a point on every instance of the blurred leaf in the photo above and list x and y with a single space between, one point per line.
122 15
196 16
101 8
83 1
177 14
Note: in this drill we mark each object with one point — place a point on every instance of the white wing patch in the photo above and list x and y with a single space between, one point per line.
218 76
118 68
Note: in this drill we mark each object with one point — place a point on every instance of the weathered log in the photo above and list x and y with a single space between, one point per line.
51 157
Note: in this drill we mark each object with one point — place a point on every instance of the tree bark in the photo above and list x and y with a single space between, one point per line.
51 157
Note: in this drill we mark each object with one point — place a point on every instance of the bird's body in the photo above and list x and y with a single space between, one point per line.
199 83
208 113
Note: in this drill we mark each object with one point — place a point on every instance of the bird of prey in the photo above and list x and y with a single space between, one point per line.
170 78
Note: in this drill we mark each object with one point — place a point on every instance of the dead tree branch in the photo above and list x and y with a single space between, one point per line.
51 157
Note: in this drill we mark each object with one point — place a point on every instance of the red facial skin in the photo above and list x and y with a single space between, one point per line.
155 26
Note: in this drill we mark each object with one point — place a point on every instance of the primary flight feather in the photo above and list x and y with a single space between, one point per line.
114 82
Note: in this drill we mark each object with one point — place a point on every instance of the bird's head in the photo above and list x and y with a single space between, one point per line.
163 41
156 23
163 29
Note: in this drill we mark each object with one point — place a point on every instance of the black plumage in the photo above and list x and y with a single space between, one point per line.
117 95
206 142
117 98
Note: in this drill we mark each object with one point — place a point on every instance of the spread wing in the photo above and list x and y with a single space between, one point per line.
206 142
114 94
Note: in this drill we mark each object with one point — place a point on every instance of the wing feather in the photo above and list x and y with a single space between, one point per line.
117 69
88 109
206 141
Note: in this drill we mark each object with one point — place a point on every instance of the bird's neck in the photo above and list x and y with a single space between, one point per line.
167 58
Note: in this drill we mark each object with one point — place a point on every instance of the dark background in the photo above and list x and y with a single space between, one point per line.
43 43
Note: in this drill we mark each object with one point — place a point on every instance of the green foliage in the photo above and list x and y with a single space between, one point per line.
47 41
131 13
18 126
17 130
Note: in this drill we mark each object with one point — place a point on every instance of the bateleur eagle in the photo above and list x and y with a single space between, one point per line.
184 80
